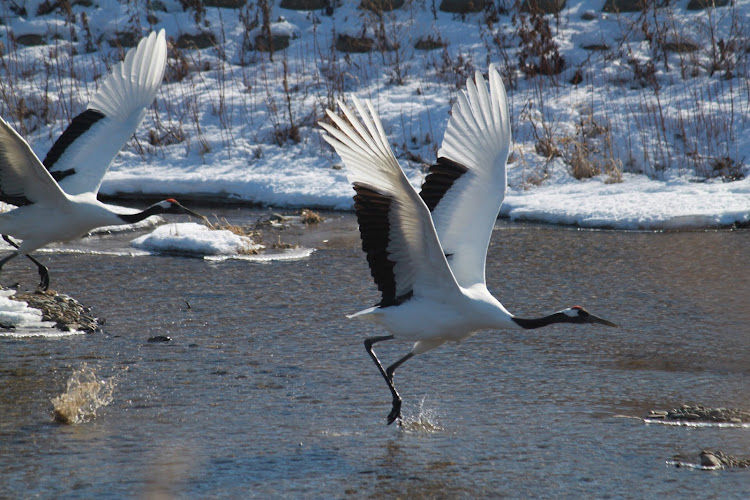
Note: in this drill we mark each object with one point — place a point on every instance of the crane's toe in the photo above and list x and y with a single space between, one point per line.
44 283
395 413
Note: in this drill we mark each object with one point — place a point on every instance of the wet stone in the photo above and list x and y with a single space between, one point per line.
67 313
159 338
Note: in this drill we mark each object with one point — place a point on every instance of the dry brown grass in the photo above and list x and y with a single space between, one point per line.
307 216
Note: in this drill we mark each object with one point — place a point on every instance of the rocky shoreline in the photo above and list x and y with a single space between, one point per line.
711 460
708 459
699 413
67 313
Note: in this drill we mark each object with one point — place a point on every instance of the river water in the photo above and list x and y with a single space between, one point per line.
266 390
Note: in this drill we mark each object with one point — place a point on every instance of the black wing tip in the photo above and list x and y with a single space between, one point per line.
443 174
372 209
80 124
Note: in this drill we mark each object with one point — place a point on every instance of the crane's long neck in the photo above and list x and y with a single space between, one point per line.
137 217
532 323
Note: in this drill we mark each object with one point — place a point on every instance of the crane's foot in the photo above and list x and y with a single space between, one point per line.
44 283
395 413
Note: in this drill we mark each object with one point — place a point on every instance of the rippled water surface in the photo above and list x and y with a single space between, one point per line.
266 390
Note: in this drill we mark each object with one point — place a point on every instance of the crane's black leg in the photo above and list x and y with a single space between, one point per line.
43 271
396 410
6 259
388 375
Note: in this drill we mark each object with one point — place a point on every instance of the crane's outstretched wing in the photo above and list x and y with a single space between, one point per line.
23 178
398 237
465 188
82 154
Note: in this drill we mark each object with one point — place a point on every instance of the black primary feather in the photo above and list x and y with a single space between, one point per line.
442 176
77 128
372 210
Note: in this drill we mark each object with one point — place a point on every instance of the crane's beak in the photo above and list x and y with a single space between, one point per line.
191 213
595 319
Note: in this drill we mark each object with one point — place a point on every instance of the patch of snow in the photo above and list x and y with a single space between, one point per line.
26 321
194 239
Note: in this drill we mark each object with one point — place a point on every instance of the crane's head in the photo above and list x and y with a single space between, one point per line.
578 314
172 206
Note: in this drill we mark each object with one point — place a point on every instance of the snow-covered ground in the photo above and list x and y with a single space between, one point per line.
662 131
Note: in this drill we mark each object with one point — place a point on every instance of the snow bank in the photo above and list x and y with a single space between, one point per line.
194 239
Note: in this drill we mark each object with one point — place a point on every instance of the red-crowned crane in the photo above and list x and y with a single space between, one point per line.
56 198
427 250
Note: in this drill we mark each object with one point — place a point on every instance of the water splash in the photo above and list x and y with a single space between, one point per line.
425 422
84 395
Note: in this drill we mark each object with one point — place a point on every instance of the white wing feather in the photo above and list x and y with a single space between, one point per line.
420 265
123 98
21 172
478 137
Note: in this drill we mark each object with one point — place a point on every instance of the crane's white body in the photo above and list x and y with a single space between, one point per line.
37 224
69 209
450 300
430 323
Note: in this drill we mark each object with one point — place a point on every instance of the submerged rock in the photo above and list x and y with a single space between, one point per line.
699 413
67 313
159 338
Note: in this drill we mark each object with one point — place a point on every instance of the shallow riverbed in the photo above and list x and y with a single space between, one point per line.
265 389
